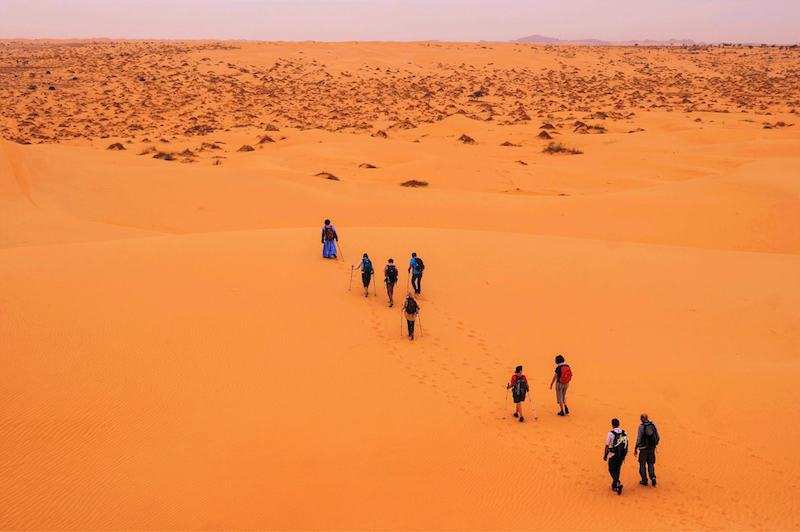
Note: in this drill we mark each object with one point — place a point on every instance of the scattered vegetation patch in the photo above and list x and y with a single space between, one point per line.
380 134
265 139
327 175
414 183
554 148
186 153
216 162
466 139
165 155
510 144
209 146
246 147
271 127
116 146
544 135
366 165
147 149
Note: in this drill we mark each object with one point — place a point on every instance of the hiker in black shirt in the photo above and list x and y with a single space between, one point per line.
390 278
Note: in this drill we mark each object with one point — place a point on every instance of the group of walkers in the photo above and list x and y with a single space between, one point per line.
616 445
416 268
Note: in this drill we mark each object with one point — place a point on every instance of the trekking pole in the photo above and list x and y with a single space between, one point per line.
351 279
534 410
408 278
420 325
375 283
340 250
401 322
506 405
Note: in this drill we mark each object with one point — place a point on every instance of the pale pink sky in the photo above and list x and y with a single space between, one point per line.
767 21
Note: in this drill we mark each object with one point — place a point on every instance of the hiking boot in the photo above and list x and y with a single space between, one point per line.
391 305
521 419
412 336
561 413
619 489
653 482
516 415
643 482
566 409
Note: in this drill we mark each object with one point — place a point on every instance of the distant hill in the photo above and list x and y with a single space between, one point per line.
539 39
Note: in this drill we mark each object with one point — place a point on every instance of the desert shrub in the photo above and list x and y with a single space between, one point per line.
557 147
147 149
414 183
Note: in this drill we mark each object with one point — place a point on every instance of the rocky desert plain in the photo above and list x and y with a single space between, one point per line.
177 355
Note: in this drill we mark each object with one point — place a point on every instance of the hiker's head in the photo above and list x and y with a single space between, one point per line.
391 261
413 254
327 222
366 256
615 423
518 370
409 296
559 359
643 417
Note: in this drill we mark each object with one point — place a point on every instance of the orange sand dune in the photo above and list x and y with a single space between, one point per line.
177 355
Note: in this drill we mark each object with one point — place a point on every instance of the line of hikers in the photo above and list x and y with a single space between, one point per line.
416 268
616 445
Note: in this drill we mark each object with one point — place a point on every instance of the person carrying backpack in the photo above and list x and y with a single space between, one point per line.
519 388
562 378
416 267
366 272
329 239
646 442
616 451
411 309
390 278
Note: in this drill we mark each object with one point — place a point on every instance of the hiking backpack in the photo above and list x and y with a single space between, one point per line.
411 306
330 234
620 445
566 374
391 273
520 386
419 265
367 268
650 437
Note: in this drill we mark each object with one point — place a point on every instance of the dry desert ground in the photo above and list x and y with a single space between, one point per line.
177 355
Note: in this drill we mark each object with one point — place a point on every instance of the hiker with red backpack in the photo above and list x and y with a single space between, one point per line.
411 310
519 388
561 378
329 239
616 451
390 278
646 442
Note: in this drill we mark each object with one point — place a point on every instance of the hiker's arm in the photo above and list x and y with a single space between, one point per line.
605 454
552 381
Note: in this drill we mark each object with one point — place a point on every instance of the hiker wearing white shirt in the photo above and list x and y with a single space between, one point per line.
616 450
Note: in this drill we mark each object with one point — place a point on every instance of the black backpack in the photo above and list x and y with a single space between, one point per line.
391 273
620 446
419 265
520 386
650 437
411 306
367 268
